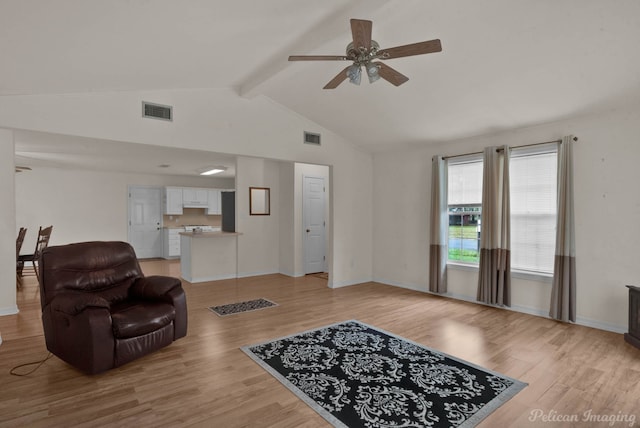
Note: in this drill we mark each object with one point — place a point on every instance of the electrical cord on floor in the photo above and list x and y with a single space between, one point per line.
39 363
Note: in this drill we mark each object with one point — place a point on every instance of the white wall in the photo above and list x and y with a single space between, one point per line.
84 205
351 220
286 221
607 216
7 225
220 121
258 246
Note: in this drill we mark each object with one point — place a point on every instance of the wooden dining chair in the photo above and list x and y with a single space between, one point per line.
41 243
19 264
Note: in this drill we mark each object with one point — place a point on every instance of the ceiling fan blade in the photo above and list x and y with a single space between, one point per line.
419 48
361 31
317 58
390 75
340 77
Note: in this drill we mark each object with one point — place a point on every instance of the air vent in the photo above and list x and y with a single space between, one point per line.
157 111
311 138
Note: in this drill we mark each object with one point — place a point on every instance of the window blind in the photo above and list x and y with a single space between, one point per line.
465 182
533 209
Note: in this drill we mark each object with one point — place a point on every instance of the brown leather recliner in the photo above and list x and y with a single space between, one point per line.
98 309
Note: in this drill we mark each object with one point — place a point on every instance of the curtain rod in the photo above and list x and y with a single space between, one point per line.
514 147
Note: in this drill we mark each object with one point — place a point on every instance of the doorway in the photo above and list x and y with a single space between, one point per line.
314 224
145 221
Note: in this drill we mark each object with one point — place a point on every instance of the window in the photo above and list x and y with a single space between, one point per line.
464 183
533 209
533 173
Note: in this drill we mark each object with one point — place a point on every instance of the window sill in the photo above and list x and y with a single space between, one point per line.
520 274
463 266
532 276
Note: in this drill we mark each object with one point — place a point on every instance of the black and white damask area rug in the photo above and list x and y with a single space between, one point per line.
355 375
236 308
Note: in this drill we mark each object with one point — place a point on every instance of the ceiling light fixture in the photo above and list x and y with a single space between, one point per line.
372 72
214 170
354 73
363 58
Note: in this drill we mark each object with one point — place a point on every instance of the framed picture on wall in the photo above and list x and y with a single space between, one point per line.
259 201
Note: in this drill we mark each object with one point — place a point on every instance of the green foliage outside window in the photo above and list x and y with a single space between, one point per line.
460 254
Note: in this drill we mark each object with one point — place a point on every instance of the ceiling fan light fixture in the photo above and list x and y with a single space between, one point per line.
354 73
372 72
363 50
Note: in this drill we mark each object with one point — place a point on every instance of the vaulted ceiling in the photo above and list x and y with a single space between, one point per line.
505 64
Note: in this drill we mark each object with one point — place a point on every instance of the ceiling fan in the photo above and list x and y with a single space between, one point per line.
365 52
22 168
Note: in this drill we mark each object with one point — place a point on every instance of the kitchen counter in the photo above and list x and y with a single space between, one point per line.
208 256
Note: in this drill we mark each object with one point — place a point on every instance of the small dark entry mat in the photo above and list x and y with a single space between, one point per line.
236 308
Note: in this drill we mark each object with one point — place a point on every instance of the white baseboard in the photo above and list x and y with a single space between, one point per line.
9 310
601 325
209 278
340 284
409 286
292 275
586 322
239 275
248 274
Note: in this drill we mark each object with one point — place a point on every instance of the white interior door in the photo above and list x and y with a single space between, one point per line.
145 221
313 198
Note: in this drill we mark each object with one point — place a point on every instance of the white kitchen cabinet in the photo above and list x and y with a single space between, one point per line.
171 240
214 206
173 200
193 197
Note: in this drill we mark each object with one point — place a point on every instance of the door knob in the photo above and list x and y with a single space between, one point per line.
308 230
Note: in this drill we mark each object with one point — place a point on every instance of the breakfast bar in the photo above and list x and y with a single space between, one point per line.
208 256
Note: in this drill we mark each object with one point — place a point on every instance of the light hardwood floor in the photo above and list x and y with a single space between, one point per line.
205 380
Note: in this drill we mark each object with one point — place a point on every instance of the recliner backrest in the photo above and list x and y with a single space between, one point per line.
105 268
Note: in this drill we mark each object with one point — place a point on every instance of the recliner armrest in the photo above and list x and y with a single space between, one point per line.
166 289
73 303
154 287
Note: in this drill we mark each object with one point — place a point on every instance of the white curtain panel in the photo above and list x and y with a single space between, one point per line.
494 278
563 291
439 227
